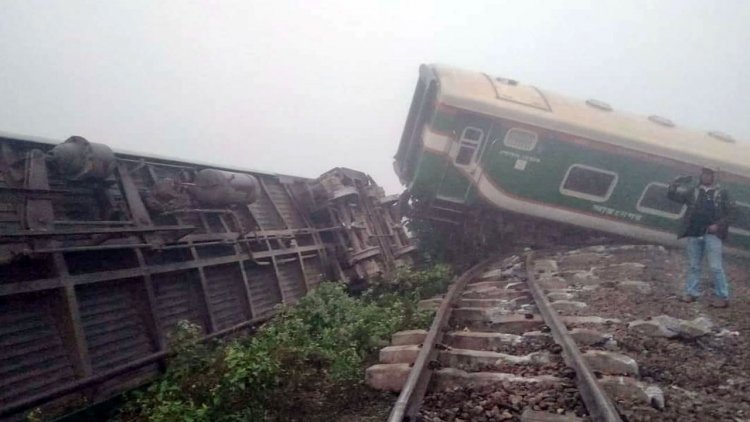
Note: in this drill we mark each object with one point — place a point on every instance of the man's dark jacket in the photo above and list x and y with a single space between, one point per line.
685 191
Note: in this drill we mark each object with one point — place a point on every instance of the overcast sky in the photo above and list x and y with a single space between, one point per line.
300 87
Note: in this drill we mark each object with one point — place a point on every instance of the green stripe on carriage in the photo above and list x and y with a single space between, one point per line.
537 175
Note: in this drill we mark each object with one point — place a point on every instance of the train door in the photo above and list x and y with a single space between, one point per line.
464 154
468 146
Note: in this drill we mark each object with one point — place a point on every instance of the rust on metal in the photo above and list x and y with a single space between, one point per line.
101 253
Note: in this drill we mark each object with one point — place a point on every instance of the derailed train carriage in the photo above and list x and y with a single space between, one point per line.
477 142
101 253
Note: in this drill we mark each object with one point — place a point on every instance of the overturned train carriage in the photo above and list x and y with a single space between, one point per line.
101 253
368 246
517 153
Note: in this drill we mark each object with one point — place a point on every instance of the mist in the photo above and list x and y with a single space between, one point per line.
301 87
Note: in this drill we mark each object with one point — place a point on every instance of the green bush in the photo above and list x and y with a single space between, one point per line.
303 365
405 287
409 283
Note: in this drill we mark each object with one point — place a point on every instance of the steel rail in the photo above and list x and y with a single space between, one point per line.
597 402
410 398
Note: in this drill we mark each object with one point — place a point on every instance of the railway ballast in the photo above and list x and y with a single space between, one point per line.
498 348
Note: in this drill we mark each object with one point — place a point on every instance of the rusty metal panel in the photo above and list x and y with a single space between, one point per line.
264 289
314 271
195 221
226 295
115 333
9 219
39 214
178 297
108 284
284 203
132 379
264 212
291 281
33 358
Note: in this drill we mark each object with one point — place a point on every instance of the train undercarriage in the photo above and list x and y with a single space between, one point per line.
102 253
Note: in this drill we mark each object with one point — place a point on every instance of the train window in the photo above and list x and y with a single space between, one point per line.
654 201
472 134
741 221
520 139
588 183
465 154
468 145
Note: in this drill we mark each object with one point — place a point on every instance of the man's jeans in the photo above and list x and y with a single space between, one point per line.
710 246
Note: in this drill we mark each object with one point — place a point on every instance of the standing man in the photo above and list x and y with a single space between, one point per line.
706 226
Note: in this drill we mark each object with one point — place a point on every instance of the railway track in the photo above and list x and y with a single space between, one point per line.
498 342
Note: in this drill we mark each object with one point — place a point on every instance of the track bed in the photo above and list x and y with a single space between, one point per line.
496 356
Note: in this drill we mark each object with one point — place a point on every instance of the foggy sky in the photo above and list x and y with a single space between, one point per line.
301 87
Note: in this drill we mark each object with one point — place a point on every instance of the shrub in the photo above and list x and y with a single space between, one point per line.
302 365
409 283
405 287
306 353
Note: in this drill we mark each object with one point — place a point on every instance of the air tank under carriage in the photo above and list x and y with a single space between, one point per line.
102 252
79 159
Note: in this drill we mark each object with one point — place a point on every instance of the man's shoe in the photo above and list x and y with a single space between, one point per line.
720 303
688 298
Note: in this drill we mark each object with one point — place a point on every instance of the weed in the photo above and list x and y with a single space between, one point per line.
304 364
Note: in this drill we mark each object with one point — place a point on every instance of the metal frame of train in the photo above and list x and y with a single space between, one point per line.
101 253
472 140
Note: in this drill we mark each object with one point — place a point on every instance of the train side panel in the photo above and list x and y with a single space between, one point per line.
558 176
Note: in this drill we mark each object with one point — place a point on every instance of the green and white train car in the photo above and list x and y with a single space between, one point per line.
472 140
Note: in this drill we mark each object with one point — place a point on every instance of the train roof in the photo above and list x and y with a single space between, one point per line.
592 119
